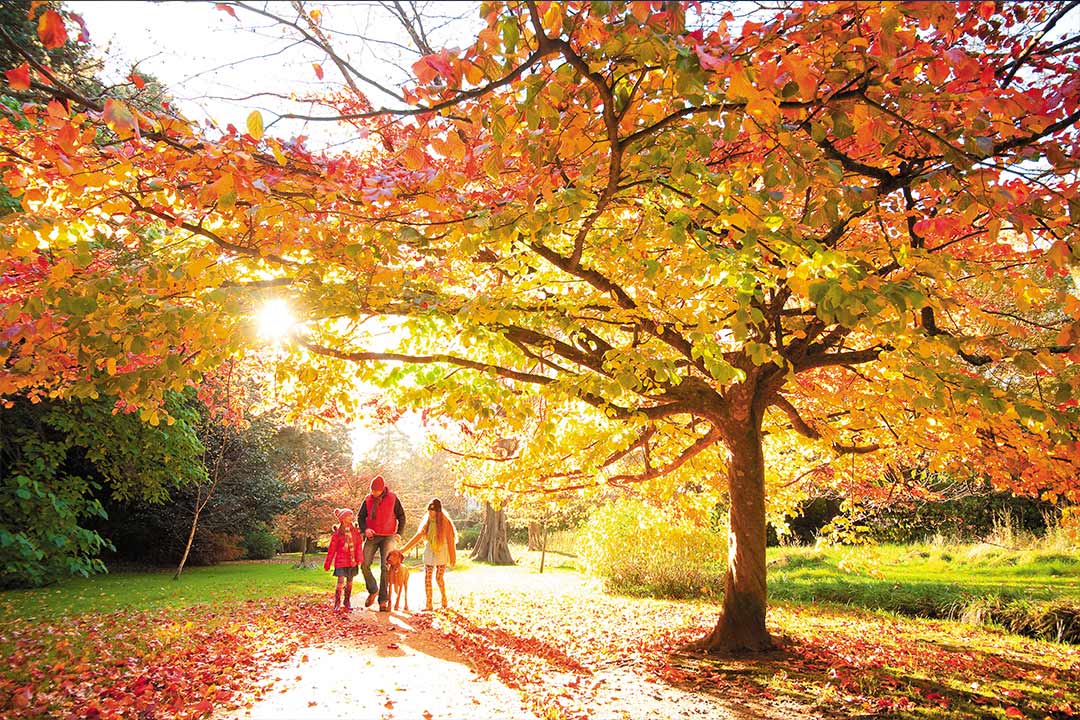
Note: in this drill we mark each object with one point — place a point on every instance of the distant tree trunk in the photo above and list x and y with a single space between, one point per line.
492 545
543 548
534 536
200 501
191 535
303 551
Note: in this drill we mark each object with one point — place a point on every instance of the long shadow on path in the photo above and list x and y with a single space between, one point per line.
392 669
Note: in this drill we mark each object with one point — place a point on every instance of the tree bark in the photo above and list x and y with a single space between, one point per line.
543 549
492 545
191 535
741 626
534 536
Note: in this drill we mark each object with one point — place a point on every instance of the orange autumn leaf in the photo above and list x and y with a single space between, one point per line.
51 30
18 78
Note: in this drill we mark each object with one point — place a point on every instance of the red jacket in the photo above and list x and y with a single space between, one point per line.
387 519
340 554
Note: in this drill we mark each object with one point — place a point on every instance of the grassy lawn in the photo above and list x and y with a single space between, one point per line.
1031 592
157 590
809 574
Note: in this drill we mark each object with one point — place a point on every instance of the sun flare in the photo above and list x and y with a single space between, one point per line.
275 319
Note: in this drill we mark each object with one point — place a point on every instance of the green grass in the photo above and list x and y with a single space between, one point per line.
1029 592
863 575
221 584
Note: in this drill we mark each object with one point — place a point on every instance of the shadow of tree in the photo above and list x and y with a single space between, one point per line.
805 674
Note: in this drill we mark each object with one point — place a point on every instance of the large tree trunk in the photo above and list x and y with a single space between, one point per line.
492 545
534 536
741 627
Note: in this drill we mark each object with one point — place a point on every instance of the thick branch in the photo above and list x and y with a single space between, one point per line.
848 357
363 356
797 421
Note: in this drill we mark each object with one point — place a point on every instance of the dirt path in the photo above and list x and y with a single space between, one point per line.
396 666
391 669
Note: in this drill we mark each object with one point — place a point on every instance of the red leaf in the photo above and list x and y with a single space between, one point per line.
1013 711
318 70
84 34
51 29
18 78
137 79
225 8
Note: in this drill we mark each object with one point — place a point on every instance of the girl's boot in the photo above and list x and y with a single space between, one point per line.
348 598
337 597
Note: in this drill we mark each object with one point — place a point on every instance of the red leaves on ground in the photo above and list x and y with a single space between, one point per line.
550 647
558 649
178 664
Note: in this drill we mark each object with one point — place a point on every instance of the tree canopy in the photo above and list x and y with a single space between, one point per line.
650 244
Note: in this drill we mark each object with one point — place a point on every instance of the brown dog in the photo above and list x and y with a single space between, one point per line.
399 577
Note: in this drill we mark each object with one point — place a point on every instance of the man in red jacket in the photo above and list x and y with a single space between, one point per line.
381 518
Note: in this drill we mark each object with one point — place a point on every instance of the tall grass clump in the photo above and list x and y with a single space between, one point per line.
643 550
1057 620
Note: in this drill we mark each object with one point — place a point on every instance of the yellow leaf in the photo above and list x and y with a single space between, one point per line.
553 19
473 73
740 86
222 186
278 155
61 271
255 124
119 117
429 203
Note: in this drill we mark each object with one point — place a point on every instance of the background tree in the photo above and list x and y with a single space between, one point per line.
59 460
840 238
216 518
493 544
316 467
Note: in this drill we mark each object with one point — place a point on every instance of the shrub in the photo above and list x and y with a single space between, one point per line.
641 549
260 544
224 547
467 536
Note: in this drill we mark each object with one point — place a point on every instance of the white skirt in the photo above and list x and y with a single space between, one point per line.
433 557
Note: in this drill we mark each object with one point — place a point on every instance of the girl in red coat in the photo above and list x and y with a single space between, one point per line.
345 552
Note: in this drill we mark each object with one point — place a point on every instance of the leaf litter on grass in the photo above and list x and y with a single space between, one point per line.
155 663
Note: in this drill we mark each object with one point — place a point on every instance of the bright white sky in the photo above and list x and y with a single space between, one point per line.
213 63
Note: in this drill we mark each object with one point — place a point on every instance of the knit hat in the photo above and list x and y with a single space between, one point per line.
340 513
377 484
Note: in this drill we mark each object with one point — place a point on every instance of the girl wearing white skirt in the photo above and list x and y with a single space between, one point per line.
438 533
